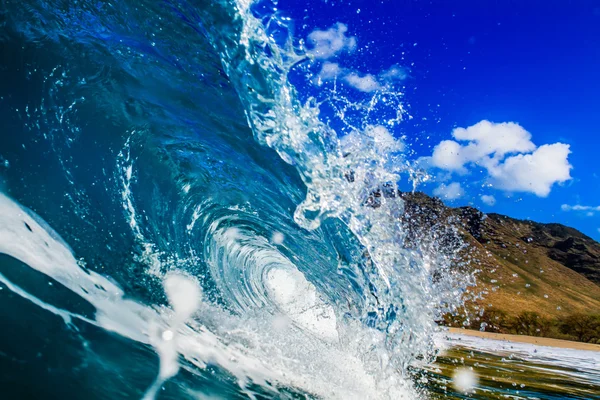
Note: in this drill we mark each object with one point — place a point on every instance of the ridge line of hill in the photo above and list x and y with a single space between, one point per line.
533 278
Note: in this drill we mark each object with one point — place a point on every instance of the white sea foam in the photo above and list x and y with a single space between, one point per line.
584 360
299 301
247 347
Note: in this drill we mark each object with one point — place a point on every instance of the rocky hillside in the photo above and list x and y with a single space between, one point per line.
550 269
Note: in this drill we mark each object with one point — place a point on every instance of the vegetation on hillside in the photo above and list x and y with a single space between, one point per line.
533 279
577 327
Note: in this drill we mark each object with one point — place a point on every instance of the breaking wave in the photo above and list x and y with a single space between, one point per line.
215 214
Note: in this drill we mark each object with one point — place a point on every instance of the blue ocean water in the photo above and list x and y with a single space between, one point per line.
179 219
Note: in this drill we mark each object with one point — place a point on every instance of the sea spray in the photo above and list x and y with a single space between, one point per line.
343 174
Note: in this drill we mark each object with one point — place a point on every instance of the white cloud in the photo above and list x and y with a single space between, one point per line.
589 211
535 172
506 152
566 207
329 71
327 44
452 191
366 83
487 142
488 199
447 155
394 73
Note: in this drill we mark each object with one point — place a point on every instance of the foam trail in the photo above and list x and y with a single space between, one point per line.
66 316
184 296
22 237
259 350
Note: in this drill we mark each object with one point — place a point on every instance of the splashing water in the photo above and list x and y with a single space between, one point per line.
271 260
341 175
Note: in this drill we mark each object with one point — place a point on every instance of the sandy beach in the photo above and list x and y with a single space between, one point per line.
540 341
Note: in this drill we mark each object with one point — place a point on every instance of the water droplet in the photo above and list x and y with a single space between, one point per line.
464 380
167 335
277 238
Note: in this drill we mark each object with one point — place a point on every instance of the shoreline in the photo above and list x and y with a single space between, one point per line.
540 341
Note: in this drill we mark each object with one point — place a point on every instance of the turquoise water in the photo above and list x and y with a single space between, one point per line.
180 220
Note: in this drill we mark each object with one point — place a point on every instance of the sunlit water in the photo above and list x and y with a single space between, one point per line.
511 370
200 229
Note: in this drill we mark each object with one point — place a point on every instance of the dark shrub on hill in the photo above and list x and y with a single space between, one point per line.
530 323
582 327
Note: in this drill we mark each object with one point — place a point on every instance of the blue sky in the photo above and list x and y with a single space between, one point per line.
529 68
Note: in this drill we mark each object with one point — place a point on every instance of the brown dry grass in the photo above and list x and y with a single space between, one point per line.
518 276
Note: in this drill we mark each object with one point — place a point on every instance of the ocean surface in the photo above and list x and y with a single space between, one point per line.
181 219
